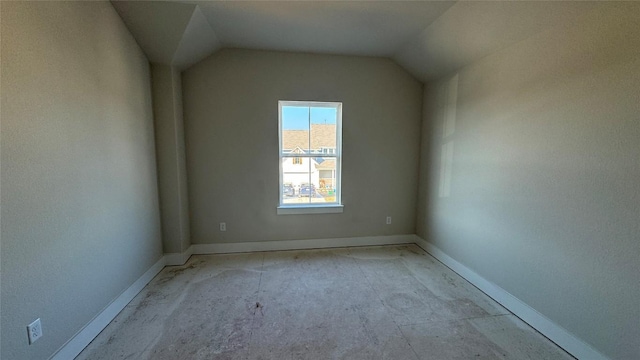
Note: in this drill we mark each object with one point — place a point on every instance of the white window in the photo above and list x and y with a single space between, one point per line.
310 136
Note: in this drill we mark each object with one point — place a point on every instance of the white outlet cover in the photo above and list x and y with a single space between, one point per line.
388 220
223 226
34 331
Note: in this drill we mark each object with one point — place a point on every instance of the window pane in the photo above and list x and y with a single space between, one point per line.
296 177
325 173
295 129
323 130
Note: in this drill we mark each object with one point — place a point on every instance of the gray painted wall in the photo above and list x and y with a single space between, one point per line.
231 127
545 197
80 219
172 172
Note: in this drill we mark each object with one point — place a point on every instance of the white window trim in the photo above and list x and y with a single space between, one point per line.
296 209
312 208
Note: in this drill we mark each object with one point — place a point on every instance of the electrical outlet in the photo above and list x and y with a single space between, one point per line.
388 220
223 226
34 331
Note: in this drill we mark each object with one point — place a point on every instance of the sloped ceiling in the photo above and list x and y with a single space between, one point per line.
428 38
340 27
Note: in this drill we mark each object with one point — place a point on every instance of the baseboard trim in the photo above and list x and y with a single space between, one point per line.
544 325
541 323
173 259
80 340
224 248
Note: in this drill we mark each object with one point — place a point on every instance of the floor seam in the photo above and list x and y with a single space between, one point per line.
460 319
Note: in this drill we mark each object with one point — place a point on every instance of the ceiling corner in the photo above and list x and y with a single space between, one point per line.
198 41
157 26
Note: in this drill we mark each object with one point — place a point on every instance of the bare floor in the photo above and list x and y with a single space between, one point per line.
387 302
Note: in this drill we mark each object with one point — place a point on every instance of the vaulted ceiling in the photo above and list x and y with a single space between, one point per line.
428 38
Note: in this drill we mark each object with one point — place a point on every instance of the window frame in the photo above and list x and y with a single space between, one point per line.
311 208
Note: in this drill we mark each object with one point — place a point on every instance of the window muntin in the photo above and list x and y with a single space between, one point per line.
310 153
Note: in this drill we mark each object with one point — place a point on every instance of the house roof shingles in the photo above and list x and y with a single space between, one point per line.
322 135
328 164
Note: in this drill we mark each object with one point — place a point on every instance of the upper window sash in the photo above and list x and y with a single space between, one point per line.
335 105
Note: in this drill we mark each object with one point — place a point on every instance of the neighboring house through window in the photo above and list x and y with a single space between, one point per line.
310 156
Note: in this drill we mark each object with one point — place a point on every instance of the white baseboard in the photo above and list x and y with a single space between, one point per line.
172 259
224 248
548 328
76 344
541 323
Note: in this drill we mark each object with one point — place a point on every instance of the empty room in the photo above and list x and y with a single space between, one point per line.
319 180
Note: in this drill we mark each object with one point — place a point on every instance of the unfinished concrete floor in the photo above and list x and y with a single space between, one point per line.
387 302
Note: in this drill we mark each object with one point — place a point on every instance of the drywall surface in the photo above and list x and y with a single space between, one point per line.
80 218
172 173
231 127
544 197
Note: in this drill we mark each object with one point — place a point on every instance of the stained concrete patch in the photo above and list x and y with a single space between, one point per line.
205 327
327 325
518 339
493 337
408 300
450 340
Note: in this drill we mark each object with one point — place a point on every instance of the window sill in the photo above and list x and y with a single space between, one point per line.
299 210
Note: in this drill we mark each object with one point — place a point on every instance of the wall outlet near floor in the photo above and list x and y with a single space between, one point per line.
388 220
34 331
223 226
